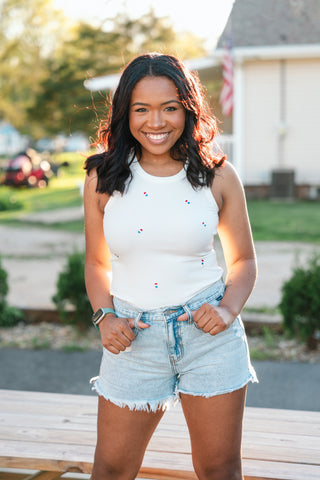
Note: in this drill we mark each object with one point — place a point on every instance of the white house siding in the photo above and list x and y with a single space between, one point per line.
261 117
281 107
303 119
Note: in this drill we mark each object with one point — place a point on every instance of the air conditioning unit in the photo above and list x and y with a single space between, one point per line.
282 184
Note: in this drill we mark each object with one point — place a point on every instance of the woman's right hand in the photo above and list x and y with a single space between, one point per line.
117 334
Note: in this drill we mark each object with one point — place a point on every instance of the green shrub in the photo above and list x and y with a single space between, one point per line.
9 316
9 202
300 302
4 288
71 298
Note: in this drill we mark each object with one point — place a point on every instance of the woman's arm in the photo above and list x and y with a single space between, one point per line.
116 333
236 239
97 254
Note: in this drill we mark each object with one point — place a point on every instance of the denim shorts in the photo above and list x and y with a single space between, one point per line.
173 357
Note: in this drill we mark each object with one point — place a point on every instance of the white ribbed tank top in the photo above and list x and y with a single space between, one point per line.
160 234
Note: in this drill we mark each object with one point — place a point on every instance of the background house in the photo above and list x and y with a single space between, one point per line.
276 117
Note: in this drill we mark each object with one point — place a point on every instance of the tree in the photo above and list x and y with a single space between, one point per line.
62 103
29 30
151 33
44 62
94 51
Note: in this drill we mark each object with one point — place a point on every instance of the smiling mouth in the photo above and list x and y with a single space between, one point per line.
157 137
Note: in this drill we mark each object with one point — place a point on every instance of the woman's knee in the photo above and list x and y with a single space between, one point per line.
217 469
109 469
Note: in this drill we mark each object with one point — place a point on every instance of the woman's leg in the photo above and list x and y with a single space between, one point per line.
215 426
123 436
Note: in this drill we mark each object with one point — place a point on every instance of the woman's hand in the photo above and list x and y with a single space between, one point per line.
210 318
117 334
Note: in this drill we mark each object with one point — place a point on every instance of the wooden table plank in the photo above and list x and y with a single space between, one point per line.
49 409
45 397
261 446
88 401
56 432
20 420
44 476
51 403
169 436
57 422
279 471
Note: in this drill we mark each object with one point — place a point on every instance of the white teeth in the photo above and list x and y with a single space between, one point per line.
157 136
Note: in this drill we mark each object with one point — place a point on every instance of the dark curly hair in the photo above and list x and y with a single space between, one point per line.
120 147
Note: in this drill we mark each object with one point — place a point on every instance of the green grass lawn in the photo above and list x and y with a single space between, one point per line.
63 192
277 221
285 221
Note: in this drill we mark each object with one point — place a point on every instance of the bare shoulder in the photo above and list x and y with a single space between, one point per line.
91 196
226 174
226 184
91 181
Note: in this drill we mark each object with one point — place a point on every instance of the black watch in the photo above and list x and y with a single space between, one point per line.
99 315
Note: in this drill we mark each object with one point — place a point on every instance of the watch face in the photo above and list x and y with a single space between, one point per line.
96 316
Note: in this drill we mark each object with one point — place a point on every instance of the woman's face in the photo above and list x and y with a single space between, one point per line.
156 116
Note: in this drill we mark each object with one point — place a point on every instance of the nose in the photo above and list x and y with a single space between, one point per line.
156 119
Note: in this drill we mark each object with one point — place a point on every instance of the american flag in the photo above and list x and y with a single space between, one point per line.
226 95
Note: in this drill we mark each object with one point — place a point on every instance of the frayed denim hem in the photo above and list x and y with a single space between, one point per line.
252 379
139 405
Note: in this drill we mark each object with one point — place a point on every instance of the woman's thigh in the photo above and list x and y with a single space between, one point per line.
215 426
123 436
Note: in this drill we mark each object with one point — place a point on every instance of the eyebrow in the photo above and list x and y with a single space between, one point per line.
148 105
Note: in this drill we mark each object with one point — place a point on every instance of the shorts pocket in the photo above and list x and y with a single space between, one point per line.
123 313
136 332
214 300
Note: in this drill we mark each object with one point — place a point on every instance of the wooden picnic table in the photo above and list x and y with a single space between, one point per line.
55 433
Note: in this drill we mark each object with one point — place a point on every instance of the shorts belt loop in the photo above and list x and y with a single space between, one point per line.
188 311
136 320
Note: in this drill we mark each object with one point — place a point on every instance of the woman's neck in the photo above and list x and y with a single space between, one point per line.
161 167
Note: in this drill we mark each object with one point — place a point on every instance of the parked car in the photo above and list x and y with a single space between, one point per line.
30 169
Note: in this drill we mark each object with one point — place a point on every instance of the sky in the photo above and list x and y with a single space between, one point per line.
205 18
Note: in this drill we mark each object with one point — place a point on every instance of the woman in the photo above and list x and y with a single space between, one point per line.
169 326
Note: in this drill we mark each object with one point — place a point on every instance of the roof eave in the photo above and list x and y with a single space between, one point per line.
110 82
272 52
105 82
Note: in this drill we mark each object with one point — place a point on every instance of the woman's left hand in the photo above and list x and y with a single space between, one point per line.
210 318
